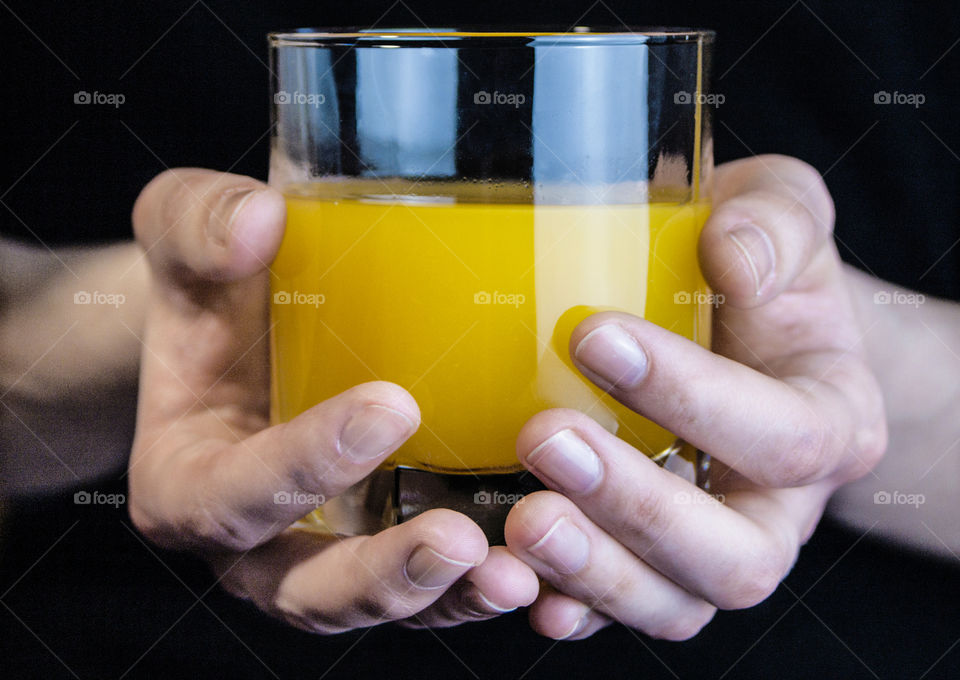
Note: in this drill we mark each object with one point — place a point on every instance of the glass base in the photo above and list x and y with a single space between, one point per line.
391 496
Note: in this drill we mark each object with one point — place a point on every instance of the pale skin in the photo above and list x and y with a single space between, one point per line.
789 405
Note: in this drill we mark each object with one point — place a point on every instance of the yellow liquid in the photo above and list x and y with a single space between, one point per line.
469 306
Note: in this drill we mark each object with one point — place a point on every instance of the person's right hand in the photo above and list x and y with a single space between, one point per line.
205 465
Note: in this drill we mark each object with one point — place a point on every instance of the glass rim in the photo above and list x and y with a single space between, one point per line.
520 36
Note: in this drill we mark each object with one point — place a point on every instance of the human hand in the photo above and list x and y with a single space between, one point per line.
785 404
205 466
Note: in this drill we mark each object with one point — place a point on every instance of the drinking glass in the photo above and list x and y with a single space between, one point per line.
457 202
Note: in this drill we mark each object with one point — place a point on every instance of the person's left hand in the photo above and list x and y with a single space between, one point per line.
786 406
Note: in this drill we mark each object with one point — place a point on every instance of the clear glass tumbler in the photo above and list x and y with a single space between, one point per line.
458 201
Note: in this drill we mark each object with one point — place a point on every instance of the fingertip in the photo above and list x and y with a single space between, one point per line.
595 321
766 233
504 582
389 395
606 349
202 227
738 258
529 521
560 617
256 231
544 425
451 534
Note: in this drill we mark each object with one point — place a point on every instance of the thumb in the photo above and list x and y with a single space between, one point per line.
202 226
772 218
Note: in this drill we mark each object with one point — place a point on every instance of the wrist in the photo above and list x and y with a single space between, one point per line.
907 338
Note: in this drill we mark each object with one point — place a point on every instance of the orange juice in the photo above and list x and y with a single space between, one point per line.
467 299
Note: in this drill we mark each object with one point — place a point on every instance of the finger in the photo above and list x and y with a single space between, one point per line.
775 432
712 550
549 532
196 486
498 586
772 215
200 226
209 237
561 617
330 585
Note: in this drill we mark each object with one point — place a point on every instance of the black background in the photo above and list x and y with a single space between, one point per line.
798 78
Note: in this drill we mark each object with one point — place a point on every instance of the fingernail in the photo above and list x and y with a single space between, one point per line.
428 570
480 605
373 431
497 608
614 355
564 547
220 221
568 461
757 251
580 624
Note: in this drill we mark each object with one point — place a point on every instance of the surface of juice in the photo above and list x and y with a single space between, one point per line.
467 299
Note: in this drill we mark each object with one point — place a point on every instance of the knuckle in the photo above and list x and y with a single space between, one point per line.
645 512
684 408
166 197
873 444
687 625
812 185
806 456
808 187
146 525
607 595
791 215
385 604
150 193
210 523
750 582
310 619
311 474
751 586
